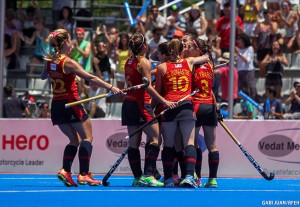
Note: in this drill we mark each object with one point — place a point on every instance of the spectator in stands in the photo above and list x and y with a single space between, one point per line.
45 110
57 5
10 47
178 34
266 33
101 60
220 7
27 98
122 54
224 109
197 20
39 39
274 64
250 16
13 107
176 22
224 78
12 24
27 18
248 111
42 110
211 14
96 108
288 19
82 50
262 6
154 20
294 101
66 20
244 64
101 69
293 45
140 26
156 39
223 28
273 5
272 106
96 111
112 38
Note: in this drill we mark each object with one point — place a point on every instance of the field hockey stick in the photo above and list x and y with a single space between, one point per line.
145 84
118 162
250 158
221 65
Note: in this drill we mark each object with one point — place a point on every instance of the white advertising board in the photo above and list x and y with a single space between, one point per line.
35 146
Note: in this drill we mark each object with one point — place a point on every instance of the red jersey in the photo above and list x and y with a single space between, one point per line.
223 28
177 81
134 77
63 85
203 79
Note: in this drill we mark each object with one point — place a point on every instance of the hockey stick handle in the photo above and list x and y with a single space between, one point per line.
118 162
221 65
162 113
250 158
114 167
145 84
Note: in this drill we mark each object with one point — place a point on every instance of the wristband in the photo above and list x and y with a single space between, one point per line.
111 87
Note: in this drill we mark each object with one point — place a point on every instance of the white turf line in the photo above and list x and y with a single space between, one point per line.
146 190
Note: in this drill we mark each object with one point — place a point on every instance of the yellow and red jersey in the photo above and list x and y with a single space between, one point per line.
177 81
203 78
63 85
134 77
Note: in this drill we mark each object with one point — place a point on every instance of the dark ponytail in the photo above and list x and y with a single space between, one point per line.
204 48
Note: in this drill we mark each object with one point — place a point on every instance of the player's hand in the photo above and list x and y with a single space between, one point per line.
219 115
170 104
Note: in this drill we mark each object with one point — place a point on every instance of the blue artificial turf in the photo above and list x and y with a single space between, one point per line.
44 190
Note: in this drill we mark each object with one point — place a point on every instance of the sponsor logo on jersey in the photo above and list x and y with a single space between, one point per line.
178 65
52 66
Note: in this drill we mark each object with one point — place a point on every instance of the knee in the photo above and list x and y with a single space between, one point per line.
74 143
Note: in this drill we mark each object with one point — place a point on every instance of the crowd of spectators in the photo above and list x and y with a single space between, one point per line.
267 39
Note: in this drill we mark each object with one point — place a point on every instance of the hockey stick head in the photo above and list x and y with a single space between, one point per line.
272 175
104 183
146 82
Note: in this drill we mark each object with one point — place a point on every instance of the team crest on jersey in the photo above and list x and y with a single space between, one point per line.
52 66
129 62
178 65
